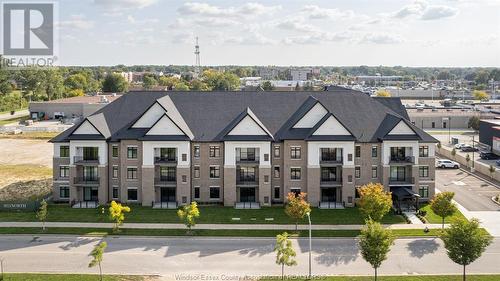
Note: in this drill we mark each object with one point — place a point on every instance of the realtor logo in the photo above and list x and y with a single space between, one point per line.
28 29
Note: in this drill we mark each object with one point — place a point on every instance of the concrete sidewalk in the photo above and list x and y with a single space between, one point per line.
212 226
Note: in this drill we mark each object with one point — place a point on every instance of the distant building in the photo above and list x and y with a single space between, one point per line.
445 118
379 79
489 134
269 73
301 74
129 76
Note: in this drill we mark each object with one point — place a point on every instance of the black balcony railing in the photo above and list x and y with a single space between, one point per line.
82 159
246 180
166 159
402 159
86 180
331 160
166 180
407 180
249 159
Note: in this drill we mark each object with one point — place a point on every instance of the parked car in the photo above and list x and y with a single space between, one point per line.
498 162
488 156
445 163
459 145
468 148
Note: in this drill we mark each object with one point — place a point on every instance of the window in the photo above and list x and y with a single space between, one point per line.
214 193
374 151
276 192
247 154
423 171
276 171
433 125
214 172
349 157
423 191
168 174
349 178
132 152
184 178
115 172
423 151
295 152
397 174
132 194
115 192
374 172
295 190
196 192
266 157
214 152
357 172
357 152
444 125
276 151
64 192
184 157
64 151
295 173
196 151
115 151
131 173
64 171
266 178
329 174
196 171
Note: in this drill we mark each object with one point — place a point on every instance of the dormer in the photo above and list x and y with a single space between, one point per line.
312 117
246 126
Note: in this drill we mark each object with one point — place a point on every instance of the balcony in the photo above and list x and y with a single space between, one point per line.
401 180
330 160
331 181
397 159
85 160
166 181
247 180
168 159
247 160
86 180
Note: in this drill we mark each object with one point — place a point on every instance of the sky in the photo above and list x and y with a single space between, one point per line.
288 32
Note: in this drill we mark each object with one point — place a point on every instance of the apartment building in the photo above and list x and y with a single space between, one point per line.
242 149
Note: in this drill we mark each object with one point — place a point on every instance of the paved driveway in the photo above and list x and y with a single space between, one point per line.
471 192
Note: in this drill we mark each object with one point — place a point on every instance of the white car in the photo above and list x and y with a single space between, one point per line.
459 145
445 163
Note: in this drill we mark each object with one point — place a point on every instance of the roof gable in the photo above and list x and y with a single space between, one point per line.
165 126
312 117
331 127
86 128
401 129
150 116
247 126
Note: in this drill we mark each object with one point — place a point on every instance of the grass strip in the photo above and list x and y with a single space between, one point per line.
396 278
70 277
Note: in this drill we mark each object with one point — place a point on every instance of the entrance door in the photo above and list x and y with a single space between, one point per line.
167 194
90 194
329 195
247 194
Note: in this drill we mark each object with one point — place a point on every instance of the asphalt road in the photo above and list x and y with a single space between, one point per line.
226 258
471 192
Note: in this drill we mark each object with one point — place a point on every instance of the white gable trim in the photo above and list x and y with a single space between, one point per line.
312 117
150 117
86 128
401 129
247 127
331 127
165 127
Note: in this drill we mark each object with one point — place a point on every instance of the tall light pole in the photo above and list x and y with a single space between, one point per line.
310 243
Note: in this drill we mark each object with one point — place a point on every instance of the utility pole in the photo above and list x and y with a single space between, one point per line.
197 66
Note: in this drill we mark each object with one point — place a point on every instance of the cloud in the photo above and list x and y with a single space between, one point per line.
318 37
295 24
381 38
76 22
422 10
438 12
207 10
316 12
124 4
135 21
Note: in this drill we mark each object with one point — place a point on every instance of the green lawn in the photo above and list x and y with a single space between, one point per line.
404 278
70 277
433 218
140 214
12 120
207 232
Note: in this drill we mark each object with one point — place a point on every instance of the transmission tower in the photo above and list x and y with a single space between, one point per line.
197 67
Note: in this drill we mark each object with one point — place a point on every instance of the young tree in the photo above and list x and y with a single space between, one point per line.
492 170
383 93
285 253
187 214
474 123
117 214
453 153
97 255
467 159
465 242
375 242
42 213
297 207
374 201
480 95
442 206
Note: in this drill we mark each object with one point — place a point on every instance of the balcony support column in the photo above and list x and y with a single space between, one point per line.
102 195
264 191
313 185
348 189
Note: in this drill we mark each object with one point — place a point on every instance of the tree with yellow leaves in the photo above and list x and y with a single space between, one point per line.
480 95
187 214
374 201
383 93
297 207
117 214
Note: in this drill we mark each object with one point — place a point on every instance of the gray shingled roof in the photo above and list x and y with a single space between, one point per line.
208 114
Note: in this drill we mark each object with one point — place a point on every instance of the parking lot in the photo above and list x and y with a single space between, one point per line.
471 192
